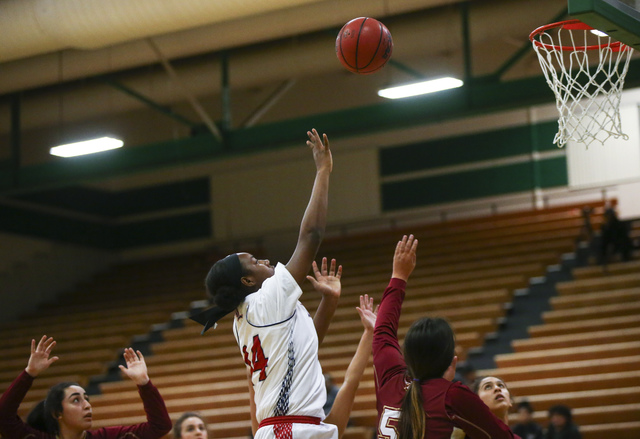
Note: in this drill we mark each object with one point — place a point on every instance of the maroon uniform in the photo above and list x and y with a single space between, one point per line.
446 404
11 426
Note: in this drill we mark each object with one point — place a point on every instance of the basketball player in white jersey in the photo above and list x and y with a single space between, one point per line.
277 337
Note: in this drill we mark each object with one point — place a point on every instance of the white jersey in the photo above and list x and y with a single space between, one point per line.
279 342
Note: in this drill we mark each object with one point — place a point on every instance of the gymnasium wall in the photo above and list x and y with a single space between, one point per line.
33 271
489 163
482 158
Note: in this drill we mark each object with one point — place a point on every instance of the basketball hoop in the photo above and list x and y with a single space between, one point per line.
586 72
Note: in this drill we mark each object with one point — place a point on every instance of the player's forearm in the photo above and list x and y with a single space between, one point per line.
312 228
324 315
360 359
341 409
314 220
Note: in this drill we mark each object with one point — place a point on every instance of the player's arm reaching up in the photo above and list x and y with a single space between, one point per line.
315 216
326 282
341 409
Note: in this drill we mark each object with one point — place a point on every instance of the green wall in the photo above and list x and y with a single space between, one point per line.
475 149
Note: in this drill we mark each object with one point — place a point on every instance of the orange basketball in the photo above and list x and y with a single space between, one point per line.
364 45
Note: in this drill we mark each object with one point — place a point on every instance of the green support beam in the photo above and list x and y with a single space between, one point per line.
226 91
482 98
147 101
16 160
526 47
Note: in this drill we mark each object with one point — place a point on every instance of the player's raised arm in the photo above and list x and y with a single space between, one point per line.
341 409
315 216
404 259
327 283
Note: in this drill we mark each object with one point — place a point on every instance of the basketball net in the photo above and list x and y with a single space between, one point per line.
586 73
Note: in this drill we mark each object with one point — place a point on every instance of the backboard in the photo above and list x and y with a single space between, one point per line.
620 19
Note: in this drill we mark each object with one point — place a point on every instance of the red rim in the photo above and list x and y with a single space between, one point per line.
570 25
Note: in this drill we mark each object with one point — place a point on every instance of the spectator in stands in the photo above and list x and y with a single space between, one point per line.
526 427
561 424
190 425
332 391
466 374
66 412
418 384
614 238
273 329
586 230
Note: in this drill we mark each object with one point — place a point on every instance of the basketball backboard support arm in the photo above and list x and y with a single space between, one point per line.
618 19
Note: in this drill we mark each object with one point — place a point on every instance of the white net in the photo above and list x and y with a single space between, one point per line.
586 72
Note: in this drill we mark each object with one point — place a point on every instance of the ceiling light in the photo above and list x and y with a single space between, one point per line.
420 88
86 147
598 33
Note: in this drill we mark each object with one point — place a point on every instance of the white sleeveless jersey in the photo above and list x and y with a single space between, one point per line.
278 341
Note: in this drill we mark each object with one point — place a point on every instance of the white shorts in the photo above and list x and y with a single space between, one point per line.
298 431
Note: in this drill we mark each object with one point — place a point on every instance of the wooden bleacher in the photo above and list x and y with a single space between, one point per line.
586 353
467 271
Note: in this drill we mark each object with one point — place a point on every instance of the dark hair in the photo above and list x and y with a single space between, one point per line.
222 289
429 348
44 415
476 383
561 410
525 405
177 426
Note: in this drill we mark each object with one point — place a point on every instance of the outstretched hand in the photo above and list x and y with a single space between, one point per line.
321 151
136 367
404 259
39 360
326 281
367 313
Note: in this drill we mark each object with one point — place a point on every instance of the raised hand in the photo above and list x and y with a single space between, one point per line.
404 259
39 360
367 313
326 281
321 151
136 367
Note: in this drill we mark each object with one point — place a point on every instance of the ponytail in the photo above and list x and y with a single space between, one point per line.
37 418
43 416
428 352
412 423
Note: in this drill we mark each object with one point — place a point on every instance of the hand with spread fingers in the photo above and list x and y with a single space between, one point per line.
136 367
39 360
327 282
367 313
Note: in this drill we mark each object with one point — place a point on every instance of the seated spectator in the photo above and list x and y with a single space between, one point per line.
466 374
526 427
561 424
614 238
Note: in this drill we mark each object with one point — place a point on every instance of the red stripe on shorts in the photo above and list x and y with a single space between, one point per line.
282 425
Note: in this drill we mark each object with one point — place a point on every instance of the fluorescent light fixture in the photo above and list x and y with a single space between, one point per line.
86 147
420 88
598 33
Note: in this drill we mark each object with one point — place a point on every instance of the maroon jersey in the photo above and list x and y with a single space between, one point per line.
446 404
11 426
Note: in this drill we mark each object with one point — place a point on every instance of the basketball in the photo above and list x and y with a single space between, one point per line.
364 45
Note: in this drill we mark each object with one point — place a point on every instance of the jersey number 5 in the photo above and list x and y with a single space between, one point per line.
388 422
257 361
